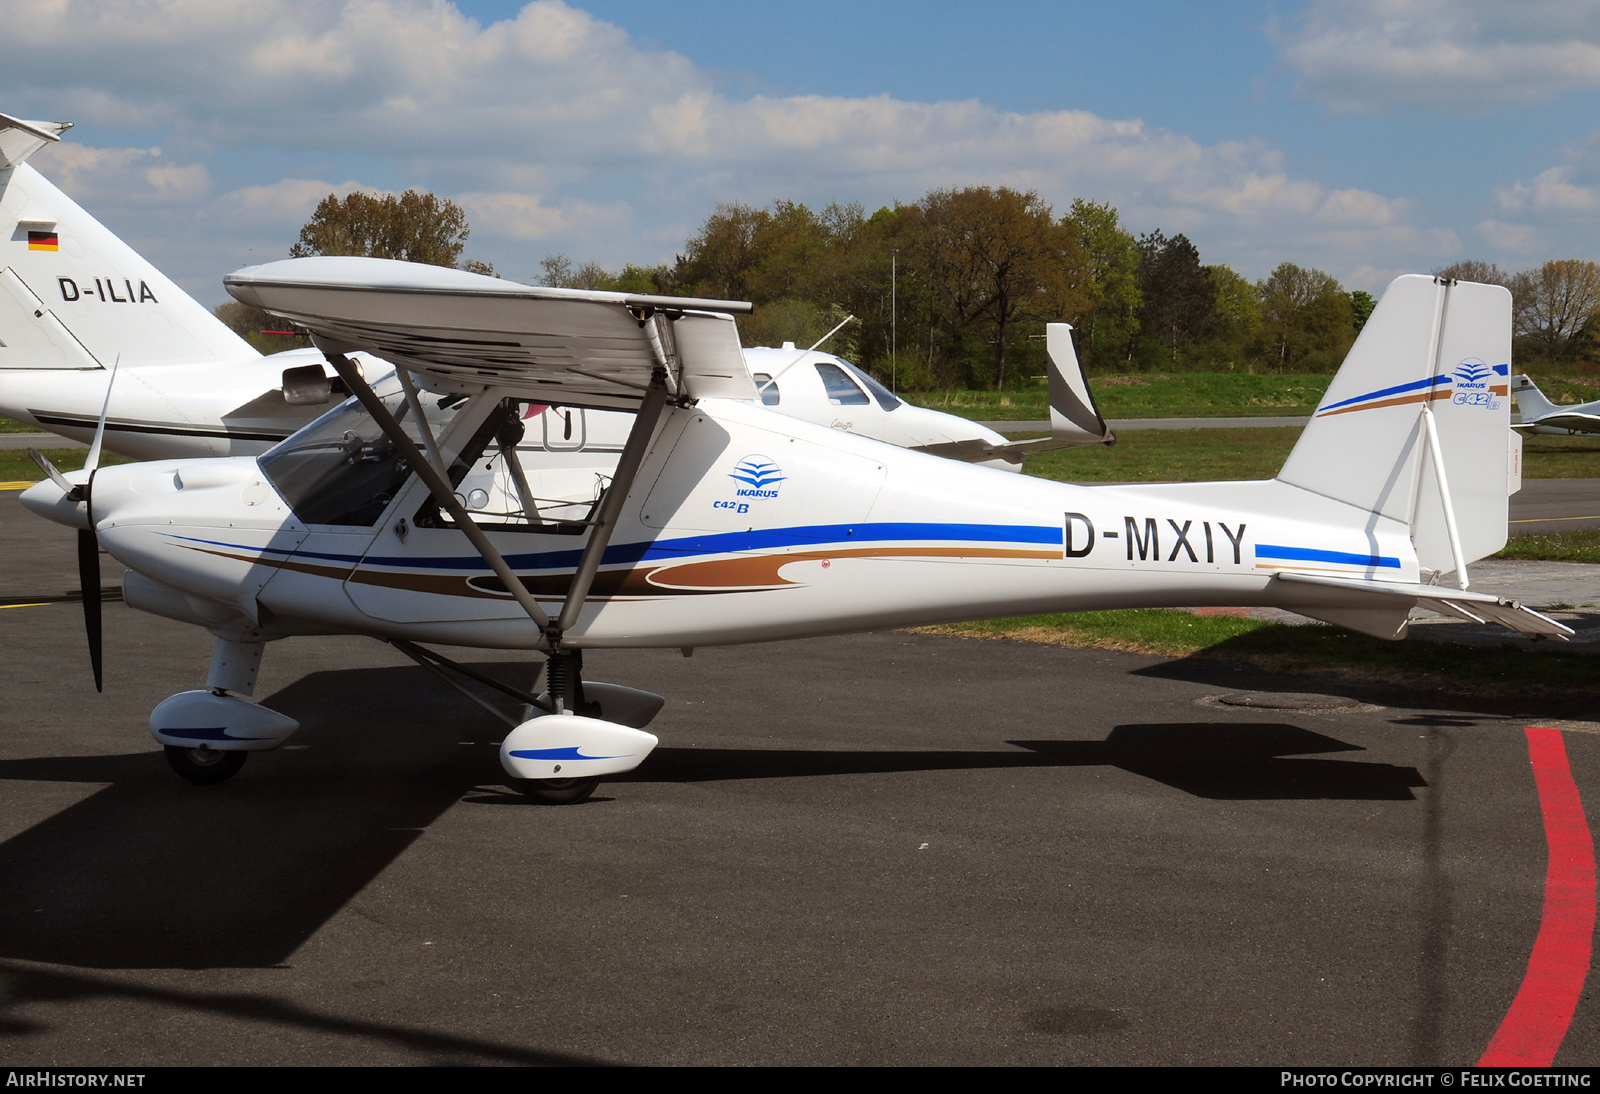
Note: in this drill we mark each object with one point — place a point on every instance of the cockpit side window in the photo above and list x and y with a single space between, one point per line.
842 391
768 387
491 482
885 397
341 469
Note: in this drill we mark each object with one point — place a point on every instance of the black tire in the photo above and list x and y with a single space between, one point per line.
556 791
205 766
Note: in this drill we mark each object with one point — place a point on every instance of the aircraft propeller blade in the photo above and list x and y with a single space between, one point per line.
89 580
88 542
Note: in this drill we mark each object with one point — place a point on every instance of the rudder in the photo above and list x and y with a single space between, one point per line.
1436 349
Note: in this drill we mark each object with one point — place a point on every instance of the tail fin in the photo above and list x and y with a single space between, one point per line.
1074 417
1431 349
1530 400
73 295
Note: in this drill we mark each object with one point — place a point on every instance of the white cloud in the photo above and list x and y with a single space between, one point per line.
556 129
1516 238
124 176
525 216
1550 191
1456 55
289 202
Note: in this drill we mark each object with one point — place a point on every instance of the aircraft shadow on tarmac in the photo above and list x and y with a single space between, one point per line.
22 985
150 872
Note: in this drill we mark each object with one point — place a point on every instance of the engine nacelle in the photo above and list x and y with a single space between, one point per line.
569 746
192 719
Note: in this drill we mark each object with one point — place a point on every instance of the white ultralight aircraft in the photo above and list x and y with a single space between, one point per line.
1540 415
75 300
724 522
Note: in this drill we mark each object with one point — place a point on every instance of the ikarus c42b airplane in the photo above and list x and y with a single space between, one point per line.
726 522
75 301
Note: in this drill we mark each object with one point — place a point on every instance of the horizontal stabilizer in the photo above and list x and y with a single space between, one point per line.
20 139
1462 603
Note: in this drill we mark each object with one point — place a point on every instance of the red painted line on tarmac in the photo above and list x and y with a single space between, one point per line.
1539 1016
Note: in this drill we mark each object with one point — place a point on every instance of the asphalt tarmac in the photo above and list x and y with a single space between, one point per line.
877 849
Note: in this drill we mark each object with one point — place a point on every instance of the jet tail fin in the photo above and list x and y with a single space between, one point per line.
73 295
1416 424
1530 400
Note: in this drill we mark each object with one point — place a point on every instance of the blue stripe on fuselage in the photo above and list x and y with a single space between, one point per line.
711 543
1312 554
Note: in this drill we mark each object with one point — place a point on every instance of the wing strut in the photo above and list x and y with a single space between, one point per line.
437 484
605 520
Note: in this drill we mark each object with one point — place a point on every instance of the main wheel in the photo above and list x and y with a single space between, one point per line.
205 766
556 791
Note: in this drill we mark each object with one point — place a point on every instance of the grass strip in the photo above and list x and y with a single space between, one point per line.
1582 545
15 466
1184 395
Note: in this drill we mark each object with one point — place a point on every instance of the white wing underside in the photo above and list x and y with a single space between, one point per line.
466 331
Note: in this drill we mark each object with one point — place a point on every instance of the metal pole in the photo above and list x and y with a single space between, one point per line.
605 520
894 319
1444 495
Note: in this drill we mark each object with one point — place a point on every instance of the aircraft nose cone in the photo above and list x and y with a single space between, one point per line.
51 502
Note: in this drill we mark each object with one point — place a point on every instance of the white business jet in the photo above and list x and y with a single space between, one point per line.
1540 415
75 300
726 522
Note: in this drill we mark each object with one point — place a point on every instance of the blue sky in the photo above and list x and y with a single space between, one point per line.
1368 138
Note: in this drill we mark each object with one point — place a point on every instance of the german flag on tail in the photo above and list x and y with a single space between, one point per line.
44 241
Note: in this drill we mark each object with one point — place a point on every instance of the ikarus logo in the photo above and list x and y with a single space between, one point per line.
1475 383
758 477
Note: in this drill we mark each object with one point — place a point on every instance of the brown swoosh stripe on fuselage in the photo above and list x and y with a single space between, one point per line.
744 573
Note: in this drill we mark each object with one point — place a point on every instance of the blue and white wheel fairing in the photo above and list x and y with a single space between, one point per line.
569 746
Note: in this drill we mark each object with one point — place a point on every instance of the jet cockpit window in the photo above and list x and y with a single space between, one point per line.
885 397
768 387
842 391
341 469
504 493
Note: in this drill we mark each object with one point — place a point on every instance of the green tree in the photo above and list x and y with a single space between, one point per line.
252 324
1307 320
1361 305
1472 269
1111 324
1238 323
1555 305
413 227
1180 303
1006 261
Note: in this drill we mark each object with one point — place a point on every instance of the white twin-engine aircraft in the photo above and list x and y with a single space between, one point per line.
409 515
75 299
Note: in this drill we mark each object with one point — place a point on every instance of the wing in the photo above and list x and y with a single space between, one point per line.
1582 423
570 347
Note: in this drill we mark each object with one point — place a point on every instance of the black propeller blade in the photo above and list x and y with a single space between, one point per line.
89 580
88 542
